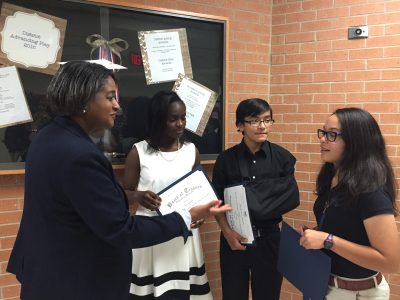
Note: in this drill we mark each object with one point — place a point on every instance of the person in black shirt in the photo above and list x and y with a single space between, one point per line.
355 208
254 160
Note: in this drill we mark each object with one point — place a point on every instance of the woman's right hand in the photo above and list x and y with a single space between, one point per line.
149 200
212 208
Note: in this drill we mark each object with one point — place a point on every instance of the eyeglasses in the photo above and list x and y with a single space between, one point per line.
331 136
256 123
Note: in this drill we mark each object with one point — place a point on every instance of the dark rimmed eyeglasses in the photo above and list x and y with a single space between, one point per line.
331 136
257 123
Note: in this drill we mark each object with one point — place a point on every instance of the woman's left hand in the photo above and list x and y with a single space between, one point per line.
313 239
212 208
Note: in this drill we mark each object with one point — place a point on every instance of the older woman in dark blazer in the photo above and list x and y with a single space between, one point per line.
76 232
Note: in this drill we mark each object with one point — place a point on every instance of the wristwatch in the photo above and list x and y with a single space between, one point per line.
328 243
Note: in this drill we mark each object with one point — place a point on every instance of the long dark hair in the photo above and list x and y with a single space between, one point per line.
158 117
364 166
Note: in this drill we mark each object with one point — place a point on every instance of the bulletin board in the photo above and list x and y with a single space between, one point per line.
119 23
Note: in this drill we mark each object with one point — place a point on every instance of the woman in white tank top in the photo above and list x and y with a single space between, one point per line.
174 269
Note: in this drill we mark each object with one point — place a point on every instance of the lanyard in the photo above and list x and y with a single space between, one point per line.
327 204
322 219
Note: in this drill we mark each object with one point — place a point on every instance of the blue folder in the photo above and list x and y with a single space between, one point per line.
307 270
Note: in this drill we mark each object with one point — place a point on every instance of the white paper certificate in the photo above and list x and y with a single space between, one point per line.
165 54
13 107
199 101
239 217
192 189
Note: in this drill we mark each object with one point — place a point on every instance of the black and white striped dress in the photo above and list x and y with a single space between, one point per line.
174 269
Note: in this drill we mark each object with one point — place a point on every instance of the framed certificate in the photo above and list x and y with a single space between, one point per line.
239 217
13 106
190 190
199 101
31 39
165 54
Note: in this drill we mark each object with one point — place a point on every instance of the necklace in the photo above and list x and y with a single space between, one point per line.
169 158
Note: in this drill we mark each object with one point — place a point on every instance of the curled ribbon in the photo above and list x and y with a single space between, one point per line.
116 45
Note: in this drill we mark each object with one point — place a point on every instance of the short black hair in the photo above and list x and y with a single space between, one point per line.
251 108
74 85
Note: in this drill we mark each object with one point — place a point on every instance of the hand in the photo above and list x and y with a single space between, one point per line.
301 229
210 209
197 224
313 239
149 200
235 240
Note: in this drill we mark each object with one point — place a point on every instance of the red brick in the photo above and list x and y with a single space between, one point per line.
299 58
365 53
11 291
316 46
371 8
317 4
300 37
285 28
347 86
10 217
286 8
301 17
349 65
314 67
331 76
336 12
364 75
316 25
9 204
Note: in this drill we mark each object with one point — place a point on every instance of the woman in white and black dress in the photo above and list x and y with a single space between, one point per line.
174 269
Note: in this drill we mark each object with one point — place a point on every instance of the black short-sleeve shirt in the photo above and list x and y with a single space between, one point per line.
347 222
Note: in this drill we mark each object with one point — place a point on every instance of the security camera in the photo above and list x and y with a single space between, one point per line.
357 32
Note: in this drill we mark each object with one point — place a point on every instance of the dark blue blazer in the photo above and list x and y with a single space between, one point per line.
76 233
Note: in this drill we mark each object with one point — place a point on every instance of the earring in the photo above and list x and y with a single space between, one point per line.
84 111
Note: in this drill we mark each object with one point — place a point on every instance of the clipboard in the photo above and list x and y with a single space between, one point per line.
186 192
307 270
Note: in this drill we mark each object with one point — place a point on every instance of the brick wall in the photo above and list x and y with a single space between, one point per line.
296 54
316 69
11 204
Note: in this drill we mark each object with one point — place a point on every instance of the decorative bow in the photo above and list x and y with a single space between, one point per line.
116 45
